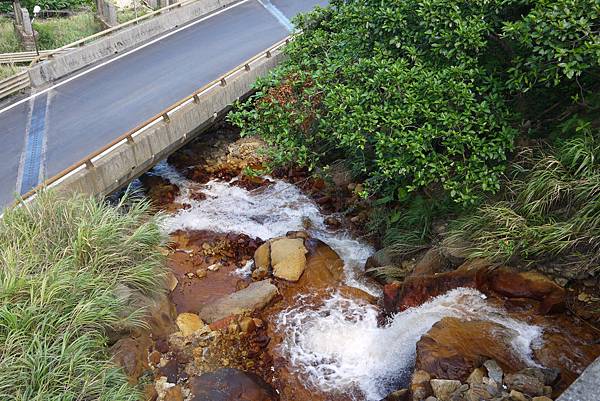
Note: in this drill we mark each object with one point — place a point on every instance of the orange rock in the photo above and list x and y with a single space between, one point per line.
453 348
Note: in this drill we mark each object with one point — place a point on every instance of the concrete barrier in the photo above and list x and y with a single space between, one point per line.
128 159
64 64
586 387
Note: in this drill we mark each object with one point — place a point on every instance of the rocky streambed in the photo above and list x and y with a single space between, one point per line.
268 300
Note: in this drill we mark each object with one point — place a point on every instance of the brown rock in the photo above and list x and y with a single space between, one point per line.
174 394
523 383
262 257
453 348
477 392
443 389
399 395
189 323
132 356
154 358
419 385
476 377
517 396
230 385
433 261
391 296
288 258
541 398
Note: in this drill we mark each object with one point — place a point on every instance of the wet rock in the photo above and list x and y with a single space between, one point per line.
332 222
170 371
494 371
443 389
398 395
288 258
476 377
229 384
531 285
189 323
256 296
452 348
132 356
419 385
159 189
524 383
391 295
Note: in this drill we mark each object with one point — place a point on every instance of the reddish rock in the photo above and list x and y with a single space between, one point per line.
230 385
391 296
512 284
174 394
159 189
132 355
453 348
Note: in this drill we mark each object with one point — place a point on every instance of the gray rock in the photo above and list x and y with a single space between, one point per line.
530 385
256 296
586 387
546 375
494 370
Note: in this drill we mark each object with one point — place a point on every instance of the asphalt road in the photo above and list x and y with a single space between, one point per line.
48 133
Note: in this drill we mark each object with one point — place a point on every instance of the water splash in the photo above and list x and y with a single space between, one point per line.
339 347
267 212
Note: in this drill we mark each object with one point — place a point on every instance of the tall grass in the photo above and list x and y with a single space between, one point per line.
57 32
8 40
552 210
62 264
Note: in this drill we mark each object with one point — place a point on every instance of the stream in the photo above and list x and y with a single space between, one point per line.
333 341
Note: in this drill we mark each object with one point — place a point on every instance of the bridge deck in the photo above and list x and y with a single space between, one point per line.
53 130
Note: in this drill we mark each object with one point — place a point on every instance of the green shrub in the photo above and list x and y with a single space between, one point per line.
62 262
422 94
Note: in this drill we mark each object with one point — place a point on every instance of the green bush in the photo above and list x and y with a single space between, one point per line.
62 263
422 94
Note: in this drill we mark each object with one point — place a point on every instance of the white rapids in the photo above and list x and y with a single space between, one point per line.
339 346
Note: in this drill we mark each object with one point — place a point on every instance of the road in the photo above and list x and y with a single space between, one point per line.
53 130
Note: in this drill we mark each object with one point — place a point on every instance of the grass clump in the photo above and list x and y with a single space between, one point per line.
550 212
8 40
8 70
62 262
56 32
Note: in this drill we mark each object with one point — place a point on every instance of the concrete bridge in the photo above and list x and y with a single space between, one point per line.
67 119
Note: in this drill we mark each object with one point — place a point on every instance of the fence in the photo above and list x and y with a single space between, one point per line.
14 84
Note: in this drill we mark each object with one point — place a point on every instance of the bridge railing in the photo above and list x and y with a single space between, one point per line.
129 137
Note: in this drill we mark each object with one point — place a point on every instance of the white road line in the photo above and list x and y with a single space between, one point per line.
121 56
277 14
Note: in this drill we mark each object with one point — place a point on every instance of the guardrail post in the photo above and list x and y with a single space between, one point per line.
166 117
268 54
88 164
247 67
196 99
130 140
223 82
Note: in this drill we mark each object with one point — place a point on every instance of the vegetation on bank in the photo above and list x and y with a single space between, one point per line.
428 102
63 263
57 32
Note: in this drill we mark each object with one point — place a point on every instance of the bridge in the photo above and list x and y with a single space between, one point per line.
63 121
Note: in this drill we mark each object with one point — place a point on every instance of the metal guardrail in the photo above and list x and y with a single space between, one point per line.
14 84
135 21
25 57
129 137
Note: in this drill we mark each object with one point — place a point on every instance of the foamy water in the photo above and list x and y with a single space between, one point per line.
265 213
339 347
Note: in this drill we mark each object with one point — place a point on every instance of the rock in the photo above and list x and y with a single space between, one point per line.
431 398
548 376
288 258
533 285
150 393
443 389
247 325
494 371
477 392
523 383
262 257
399 395
132 356
229 384
391 295
541 398
256 296
452 348
201 273
189 323
517 396
419 385
332 222
174 394
340 174
170 371
215 267
171 281
433 261
476 376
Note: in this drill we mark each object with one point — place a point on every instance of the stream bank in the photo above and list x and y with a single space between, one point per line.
269 300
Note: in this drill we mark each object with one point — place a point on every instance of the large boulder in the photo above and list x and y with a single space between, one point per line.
256 296
453 348
230 385
288 258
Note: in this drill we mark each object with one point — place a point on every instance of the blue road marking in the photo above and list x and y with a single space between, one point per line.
277 14
35 142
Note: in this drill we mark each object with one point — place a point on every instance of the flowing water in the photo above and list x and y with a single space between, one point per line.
337 346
